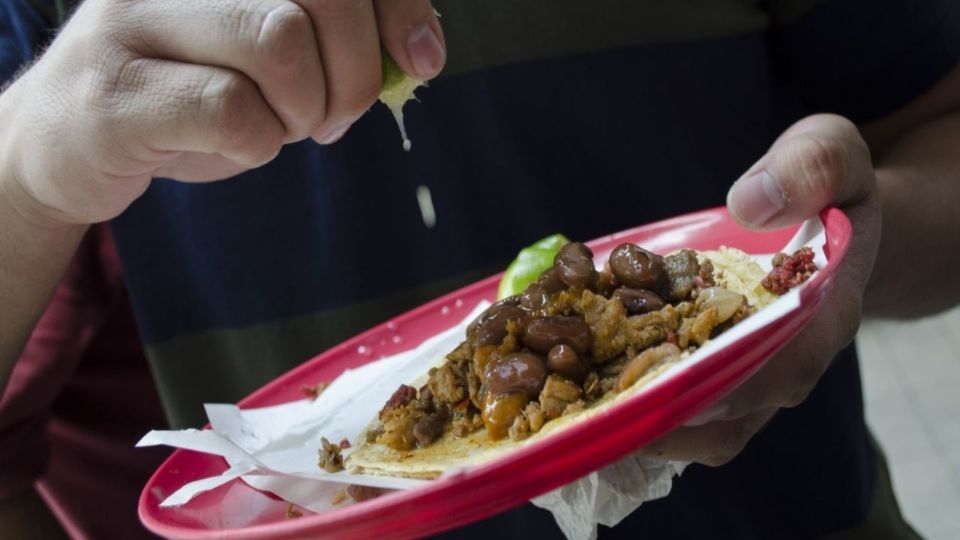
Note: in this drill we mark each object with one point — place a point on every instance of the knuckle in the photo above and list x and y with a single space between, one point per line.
365 95
115 79
350 101
822 162
230 101
284 33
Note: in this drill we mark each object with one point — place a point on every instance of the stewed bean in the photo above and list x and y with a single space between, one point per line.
550 280
543 334
534 297
516 372
489 313
636 267
493 329
638 301
563 360
574 264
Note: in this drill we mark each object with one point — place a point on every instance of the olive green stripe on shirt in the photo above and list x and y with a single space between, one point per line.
489 33
225 365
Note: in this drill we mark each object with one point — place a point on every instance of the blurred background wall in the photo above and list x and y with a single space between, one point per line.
911 377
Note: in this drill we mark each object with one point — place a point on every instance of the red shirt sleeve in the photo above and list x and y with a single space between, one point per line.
81 304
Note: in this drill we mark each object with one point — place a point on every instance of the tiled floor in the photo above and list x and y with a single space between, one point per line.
911 374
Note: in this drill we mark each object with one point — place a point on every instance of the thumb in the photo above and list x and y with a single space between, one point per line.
818 162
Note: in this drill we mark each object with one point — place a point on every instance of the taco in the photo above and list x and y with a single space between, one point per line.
572 344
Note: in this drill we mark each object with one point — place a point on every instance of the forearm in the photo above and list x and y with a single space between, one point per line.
34 253
919 183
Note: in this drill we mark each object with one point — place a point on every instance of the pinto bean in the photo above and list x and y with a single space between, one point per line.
550 280
490 312
516 372
563 360
574 264
636 267
534 297
638 301
543 334
493 329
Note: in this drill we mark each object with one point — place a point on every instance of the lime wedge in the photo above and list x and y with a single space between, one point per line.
529 264
396 91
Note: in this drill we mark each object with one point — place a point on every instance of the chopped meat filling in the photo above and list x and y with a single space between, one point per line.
399 399
330 458
449 382
398 425
363 493
292 513
467 424
534 416
557 393
428 429
569 340
520 428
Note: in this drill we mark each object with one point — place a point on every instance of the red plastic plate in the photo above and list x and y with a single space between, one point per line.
236 510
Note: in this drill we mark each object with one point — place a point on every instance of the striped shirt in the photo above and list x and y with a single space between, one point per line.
559 115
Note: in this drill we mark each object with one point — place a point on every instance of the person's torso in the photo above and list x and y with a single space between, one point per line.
570 117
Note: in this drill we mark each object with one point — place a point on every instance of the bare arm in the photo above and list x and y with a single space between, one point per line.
917 156
194 90
133 90
34 253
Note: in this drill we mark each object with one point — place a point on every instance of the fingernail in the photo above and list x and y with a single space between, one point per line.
716 412
425 51
334 135
756 199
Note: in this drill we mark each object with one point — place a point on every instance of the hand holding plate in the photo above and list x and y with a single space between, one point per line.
819 162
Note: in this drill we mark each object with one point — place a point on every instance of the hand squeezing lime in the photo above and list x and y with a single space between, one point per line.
397 89
529 264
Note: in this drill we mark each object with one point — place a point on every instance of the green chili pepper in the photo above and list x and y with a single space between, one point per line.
529 264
